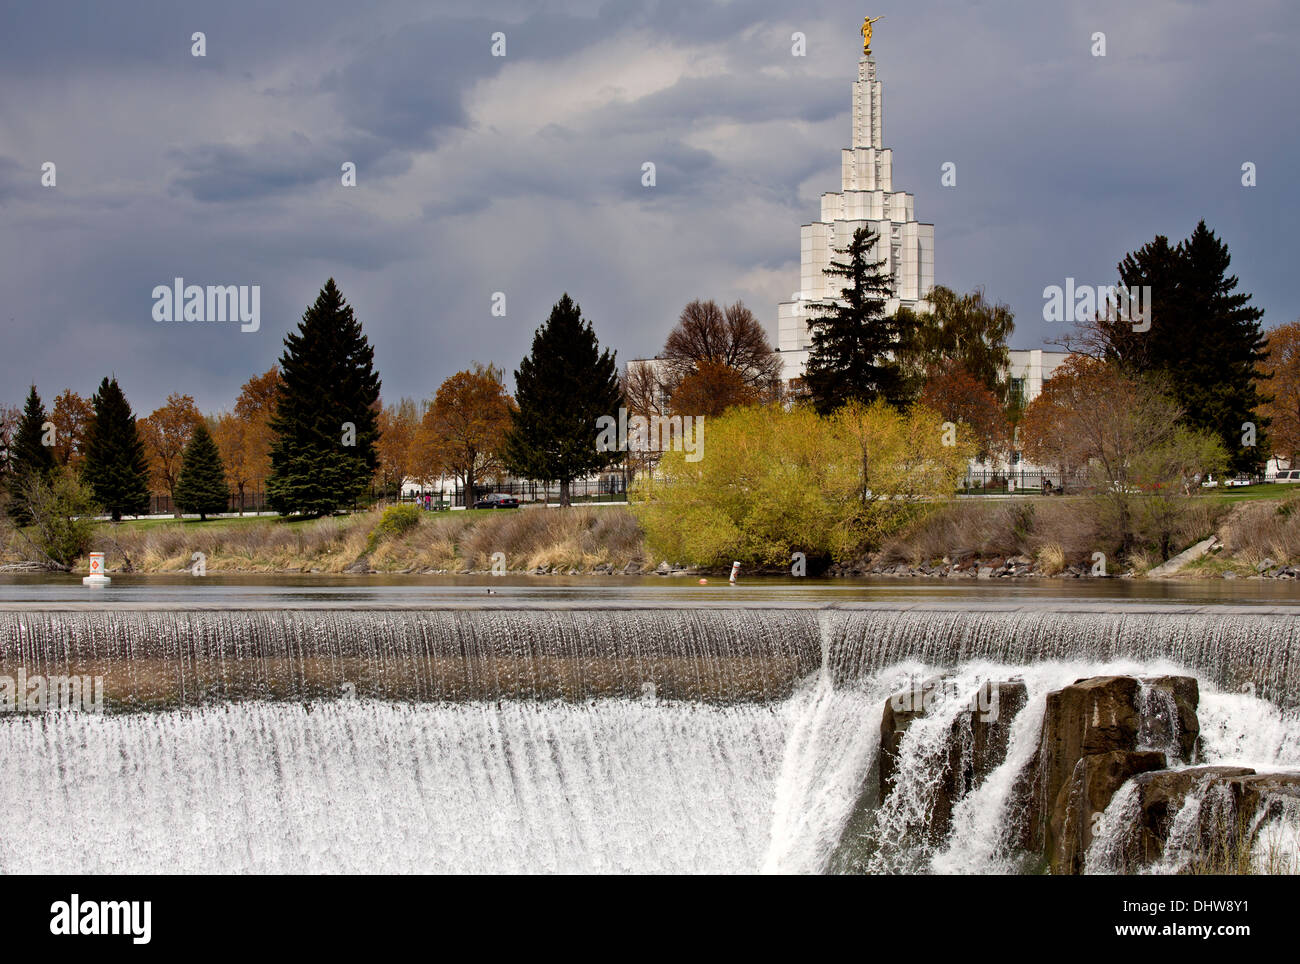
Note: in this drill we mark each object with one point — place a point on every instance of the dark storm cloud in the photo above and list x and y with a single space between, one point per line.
523 174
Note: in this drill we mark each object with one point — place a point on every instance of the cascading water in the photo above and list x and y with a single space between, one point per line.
602 740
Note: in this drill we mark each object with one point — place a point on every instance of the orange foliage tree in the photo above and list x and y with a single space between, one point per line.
71 416
464 429
165 433
244 437
959 397
399 428
1282 381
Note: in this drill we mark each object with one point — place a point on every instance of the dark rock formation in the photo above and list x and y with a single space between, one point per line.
1094 781
976 744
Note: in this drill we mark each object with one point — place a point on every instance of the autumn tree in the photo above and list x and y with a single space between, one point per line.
464 429
244 437
71 416
713 388
165 433
959 397
10 416
398 445
1282 383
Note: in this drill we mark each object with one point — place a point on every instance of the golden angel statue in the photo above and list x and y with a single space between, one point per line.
866 32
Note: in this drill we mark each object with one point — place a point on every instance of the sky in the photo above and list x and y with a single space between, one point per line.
522 174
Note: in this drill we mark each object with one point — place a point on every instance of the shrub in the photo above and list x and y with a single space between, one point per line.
62 513
395 521
772 481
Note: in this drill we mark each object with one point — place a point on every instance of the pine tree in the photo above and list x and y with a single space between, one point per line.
1204 341
202 486
325 425
854 343
115 464
30 459
562 388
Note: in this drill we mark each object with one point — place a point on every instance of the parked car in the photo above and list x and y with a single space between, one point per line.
1209 482
1237 482
1288 475
497 500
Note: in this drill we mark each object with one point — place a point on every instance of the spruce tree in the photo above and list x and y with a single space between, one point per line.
115 464
854 343
30 459
201 486
564 385
323 455
1205 340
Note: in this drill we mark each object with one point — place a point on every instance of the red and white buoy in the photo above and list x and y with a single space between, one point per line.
735 571
96 577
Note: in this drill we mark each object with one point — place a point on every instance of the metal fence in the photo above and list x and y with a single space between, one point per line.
609 488
253 500
991 481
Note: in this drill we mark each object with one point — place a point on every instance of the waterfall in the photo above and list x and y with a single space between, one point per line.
728 740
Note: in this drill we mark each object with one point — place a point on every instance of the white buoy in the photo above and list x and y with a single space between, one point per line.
96 577
735 571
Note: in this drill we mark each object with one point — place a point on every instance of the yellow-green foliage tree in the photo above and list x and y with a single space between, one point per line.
772 482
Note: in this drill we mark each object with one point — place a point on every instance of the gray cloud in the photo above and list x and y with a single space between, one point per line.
479 174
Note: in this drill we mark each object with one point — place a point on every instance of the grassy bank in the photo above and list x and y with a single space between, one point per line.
1046 534
1254 534
580 538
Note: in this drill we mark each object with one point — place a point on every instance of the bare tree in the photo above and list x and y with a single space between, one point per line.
730 336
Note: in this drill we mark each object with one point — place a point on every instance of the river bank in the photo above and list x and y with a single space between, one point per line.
1033 538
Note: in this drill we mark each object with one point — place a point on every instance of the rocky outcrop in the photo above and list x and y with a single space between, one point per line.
1096 716
976 743
1108 714
1160 798
1087 793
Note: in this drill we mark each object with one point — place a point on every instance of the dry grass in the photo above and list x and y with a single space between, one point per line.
1255 531
580 537
1053 531
998 528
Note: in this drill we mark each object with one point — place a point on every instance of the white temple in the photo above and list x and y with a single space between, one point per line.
866 198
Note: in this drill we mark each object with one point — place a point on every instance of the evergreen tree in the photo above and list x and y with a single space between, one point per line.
30 459
563 386
201 486
325 420
1205 340
115 464
854 343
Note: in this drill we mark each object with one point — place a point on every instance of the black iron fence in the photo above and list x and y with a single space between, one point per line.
609 488
253 499
993 481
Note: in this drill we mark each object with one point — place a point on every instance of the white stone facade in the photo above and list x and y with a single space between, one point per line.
866 199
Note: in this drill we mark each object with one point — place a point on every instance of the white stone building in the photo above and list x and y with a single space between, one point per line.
866 199
1027 369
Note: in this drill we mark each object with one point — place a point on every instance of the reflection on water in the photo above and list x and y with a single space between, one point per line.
296 590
